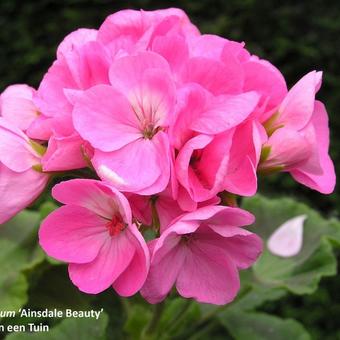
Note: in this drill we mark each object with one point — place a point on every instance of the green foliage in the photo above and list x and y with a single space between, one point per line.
19 254
260 326
84 329
299 274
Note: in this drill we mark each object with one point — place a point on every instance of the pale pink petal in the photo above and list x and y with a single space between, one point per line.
17 106
73 234
15 149
286 241
289 149
18 190
298 106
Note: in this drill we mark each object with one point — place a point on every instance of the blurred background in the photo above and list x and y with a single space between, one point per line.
296 36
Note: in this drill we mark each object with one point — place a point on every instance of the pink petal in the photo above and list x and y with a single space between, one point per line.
204 179
126 73
50 98
267 80
18 190
211 74
133 278
73 234
17 106
225 112
89 65
208 275
297 108
286 241
171 256
15 150
104 118
112 260
324 182
76 39
244 156
141 166
64 153
222 216
41 128
191 100
95 196
122 23
174 49
289 149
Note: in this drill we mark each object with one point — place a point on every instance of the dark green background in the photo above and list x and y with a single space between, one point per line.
296 36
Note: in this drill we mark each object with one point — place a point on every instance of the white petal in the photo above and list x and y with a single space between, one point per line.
286 241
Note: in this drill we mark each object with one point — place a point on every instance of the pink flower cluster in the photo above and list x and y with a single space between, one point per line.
172 122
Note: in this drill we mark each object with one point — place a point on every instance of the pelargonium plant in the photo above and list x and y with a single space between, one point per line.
160 131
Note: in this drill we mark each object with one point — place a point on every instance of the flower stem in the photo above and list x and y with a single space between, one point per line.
152 326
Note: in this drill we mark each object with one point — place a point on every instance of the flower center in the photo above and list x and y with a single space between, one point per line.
186 238
195 158
115 226
149 130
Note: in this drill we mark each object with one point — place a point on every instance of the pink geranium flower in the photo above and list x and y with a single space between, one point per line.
299 137
125 123
95 234
201 253
21 179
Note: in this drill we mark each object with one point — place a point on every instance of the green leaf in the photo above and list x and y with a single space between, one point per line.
54 289
84 329
261 326
139 316
299 274
19 253
13 291
46 208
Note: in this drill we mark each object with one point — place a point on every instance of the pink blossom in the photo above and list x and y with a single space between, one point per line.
17 107
133 31
95 234
21 179
299 137
202 253
125 123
